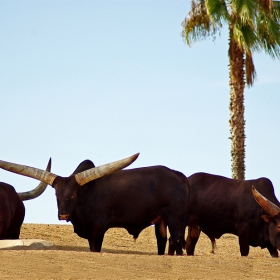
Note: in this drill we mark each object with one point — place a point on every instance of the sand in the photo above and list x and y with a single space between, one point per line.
123 258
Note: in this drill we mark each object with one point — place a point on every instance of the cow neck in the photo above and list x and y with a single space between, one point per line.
84 195
79 217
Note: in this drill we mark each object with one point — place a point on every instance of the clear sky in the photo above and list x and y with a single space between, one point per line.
103 80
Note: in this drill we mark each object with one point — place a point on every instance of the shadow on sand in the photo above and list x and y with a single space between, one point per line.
104 250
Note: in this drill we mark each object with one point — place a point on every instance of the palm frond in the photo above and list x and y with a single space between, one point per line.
246 11
217 10
268 32
250 40
276 11
245 37
250 69
272 49
238 36
266 5
198 24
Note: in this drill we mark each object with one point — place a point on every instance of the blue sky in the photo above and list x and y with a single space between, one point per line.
103 80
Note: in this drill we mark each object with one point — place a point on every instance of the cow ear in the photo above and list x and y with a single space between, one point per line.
267 218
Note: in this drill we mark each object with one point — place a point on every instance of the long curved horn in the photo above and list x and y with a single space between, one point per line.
35 173
102 170
38 190
267 205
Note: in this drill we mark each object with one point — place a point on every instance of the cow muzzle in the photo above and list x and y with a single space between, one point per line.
64 217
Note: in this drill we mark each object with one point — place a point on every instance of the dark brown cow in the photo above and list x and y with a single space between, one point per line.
131 199
220 205
12 209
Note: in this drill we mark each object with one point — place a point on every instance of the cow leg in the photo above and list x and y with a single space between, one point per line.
3 230
177 232
272 250
171 247
178 245
193 236
244 246
161 236
213 242
95 243
13 233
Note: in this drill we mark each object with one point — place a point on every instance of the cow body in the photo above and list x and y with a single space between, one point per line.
132 199
12 212
95 199
220 205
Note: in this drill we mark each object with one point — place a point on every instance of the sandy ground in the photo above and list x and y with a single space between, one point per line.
123 258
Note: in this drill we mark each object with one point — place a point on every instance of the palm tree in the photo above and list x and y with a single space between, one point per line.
254 25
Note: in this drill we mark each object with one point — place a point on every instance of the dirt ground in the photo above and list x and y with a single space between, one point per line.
124 258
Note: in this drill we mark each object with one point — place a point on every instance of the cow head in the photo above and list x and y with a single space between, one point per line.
66 188
66 193
273 217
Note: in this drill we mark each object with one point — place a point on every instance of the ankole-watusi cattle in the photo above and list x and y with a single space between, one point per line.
220 205
132 199
12 209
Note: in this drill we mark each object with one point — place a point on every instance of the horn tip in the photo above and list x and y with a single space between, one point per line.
49 165
254 191
134 157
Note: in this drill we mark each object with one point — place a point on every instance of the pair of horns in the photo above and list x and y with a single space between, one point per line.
267 205
81 178
38 190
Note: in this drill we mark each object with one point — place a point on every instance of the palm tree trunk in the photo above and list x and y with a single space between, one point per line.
236 107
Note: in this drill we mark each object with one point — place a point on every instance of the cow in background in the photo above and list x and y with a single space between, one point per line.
12 210
220 205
